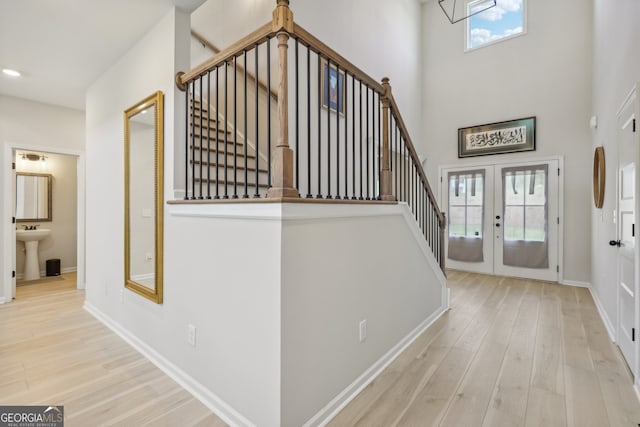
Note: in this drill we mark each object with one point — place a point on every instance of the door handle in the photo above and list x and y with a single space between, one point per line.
617 243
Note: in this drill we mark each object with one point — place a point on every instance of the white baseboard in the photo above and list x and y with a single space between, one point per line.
203 394
603 315
326 414
43 273
576 283
3 300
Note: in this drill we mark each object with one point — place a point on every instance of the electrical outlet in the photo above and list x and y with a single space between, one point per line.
191 335
363 330
148 257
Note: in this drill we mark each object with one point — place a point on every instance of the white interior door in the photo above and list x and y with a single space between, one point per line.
503 219
12 235
626 240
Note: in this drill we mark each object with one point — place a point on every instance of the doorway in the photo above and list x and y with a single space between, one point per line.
75 162
503 219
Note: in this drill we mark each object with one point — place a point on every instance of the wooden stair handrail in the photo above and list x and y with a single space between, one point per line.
253 39
414 155
317 46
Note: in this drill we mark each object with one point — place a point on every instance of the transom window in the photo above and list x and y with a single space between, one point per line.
505 20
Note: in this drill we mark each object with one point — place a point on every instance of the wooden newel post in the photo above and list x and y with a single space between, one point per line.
386 184
442 221
282 155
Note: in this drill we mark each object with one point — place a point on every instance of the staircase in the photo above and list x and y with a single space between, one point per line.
223 164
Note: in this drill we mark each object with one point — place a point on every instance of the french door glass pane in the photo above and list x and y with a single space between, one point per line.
525 197
466 204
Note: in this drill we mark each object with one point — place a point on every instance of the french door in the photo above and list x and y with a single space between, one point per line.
503 219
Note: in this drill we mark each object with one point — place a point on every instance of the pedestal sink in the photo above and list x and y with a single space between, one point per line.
31 239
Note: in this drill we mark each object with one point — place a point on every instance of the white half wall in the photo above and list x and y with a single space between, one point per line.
616 68
545 73
341 265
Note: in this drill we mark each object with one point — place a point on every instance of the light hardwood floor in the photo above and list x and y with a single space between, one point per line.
510 352
52 352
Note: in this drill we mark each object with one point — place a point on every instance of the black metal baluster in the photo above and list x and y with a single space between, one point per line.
367 141
208 135
320 101
327 82
309 123
339 106
246 154
346 140
379 170
235 127
201 137
269 112
193 140
226 129
217 138
353 137
186 143
403 170
396 158
361 156
257 133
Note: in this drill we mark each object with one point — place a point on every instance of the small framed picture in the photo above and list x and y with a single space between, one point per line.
332 88
495 138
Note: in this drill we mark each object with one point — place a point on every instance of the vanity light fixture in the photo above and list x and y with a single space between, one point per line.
458 10
34 157
11 73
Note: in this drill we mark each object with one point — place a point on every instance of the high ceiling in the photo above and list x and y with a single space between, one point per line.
62 46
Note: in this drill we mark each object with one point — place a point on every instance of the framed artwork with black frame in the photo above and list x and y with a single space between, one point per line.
497 138
333 88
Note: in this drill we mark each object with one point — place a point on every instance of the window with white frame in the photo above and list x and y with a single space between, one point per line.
507 19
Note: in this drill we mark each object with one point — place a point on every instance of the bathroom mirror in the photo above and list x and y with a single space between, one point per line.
143 203
33 197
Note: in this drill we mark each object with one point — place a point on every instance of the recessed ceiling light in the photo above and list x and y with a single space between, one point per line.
10 72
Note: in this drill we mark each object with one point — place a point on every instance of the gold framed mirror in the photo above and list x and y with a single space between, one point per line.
599 175
143 198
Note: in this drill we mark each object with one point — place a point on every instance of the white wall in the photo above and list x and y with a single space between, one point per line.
341 265
62 242
33 125
380 37
235 310
616 66
545 73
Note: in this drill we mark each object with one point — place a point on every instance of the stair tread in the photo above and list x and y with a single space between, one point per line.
222 153
214 138
230 166
228 182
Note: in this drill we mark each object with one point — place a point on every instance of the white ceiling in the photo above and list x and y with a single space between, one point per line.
62 46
